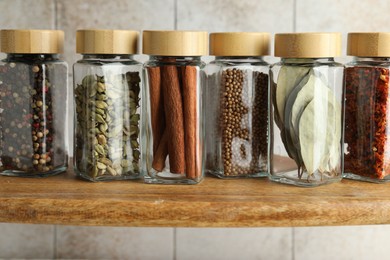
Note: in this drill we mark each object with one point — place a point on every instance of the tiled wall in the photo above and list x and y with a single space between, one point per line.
46 241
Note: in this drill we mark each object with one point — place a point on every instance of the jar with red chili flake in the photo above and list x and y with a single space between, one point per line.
33 104
367 121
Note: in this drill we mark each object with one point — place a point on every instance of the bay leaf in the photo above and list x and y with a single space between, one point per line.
288 78
320 133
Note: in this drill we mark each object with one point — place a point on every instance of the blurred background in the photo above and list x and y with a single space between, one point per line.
49 242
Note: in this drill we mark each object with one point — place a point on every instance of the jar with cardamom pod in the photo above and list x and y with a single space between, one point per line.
366 156
172 106
306 122
107 95
33 104
236 101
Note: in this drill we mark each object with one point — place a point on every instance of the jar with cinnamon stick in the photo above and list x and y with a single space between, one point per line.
107 93
173 147
33 104
236 100
367 108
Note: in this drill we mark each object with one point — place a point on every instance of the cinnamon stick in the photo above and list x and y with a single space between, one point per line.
174 118
189 77
161 153
156 106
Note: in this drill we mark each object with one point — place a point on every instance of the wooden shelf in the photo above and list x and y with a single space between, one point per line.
63 199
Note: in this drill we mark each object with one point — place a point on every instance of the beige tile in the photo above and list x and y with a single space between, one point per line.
231 15
102 14
350 242
26 241
27 14
233 243
114 243
342 16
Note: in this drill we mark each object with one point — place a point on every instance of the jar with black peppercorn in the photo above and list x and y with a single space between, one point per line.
33 104
306 126
107 85
367 100
236 102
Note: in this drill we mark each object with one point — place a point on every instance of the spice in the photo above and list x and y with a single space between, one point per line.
33 97
311 122
173 126
306 110
177 100
366 120
260 124
107 136
241 148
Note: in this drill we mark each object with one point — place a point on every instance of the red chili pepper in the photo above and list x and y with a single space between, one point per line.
366 122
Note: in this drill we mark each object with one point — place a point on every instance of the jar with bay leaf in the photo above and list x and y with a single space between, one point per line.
107 93
367 100
173 147
33 104
236 101
306 110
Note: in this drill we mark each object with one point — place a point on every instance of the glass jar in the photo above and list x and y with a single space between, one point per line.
107 86
236 101
366 153
33 104
306 110
172 106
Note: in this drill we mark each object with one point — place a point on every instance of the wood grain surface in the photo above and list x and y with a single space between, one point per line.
64 199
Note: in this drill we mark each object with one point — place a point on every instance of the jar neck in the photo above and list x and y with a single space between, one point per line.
371 59
248 59
33 57
175 59
107 56
307 60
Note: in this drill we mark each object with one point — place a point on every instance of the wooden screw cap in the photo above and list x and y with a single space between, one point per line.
32 41
175 43
369 44
239 44
307 45
106 42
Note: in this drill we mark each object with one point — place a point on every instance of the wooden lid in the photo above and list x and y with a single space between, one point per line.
175 43
307 45
106 42
370 44
32 41
239 44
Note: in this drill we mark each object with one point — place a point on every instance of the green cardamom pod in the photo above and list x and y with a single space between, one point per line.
99 149
106 161
111 171
101 166
134 144
102 139
101 104
100 87
88 80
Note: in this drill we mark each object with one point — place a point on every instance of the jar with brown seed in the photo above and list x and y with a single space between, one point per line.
107 93
236 101
33 104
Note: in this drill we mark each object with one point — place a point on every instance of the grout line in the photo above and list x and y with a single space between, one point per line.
55 14
55 243
293 243
174 244
175 13
294 15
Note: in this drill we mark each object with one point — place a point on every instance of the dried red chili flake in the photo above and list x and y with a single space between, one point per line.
366 122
